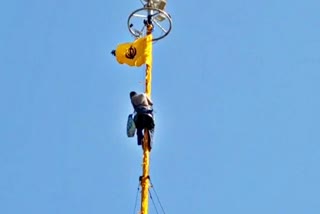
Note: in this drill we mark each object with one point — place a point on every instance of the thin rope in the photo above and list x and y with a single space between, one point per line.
135 206
153 202
157 196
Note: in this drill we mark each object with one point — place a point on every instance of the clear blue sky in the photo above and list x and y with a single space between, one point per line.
236 92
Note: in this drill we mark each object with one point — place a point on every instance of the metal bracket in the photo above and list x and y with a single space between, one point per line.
161 21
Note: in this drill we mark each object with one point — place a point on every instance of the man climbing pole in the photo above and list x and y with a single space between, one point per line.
143 118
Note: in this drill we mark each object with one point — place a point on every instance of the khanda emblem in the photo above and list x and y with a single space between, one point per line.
131 52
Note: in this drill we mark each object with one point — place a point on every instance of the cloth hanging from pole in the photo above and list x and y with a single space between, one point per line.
135 53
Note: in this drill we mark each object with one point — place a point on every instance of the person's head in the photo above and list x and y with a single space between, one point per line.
133 93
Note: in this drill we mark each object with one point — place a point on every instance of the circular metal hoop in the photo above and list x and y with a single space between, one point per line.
161 21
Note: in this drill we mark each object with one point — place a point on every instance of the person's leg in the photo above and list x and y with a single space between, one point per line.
149 124
139 125
151 137
139 136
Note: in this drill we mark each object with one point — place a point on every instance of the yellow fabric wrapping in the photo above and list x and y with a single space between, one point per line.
136 53
148 80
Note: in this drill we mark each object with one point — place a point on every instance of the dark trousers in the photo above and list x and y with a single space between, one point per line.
144 121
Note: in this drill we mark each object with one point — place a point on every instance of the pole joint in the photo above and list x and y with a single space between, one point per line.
144 178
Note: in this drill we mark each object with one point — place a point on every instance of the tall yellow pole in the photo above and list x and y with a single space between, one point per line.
145 183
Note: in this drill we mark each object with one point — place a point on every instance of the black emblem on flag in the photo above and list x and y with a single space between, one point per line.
131 52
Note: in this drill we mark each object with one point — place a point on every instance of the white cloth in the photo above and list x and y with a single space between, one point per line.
141 101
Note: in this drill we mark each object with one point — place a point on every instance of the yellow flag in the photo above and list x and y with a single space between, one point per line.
136 53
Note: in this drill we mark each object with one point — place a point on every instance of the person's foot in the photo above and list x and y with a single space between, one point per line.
140 142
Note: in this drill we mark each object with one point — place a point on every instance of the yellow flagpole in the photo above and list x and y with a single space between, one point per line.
145 183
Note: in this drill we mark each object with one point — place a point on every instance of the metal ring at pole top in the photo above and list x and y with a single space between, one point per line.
160 20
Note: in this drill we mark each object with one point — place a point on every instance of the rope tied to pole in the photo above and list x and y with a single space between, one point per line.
152 186
136 201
